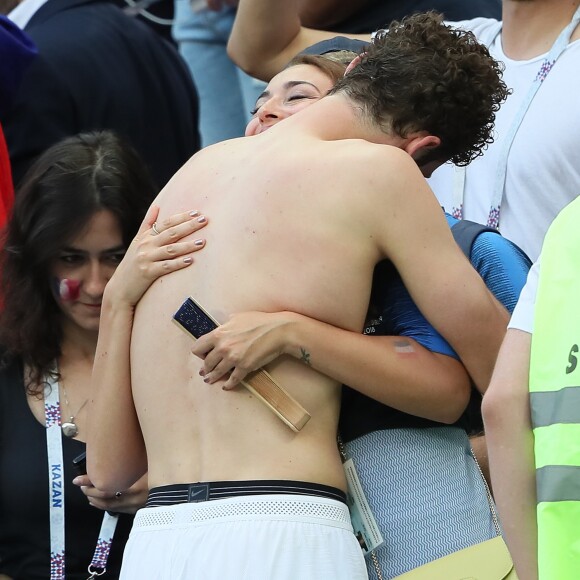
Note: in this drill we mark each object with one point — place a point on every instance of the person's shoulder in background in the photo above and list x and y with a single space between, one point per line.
17 51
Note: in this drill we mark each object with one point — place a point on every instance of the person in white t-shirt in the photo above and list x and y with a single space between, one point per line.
543 166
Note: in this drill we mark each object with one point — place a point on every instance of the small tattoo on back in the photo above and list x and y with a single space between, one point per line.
305 356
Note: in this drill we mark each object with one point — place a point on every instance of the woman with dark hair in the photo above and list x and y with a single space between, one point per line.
76 213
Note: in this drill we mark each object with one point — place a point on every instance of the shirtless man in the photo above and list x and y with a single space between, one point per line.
290 231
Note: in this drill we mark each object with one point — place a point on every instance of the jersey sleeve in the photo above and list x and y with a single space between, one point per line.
502 265
395 314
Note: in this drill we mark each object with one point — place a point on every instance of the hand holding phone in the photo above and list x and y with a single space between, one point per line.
80 463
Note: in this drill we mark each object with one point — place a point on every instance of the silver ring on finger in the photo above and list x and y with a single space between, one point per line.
118 494
155 231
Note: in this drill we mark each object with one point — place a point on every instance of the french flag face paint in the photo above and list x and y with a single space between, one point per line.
68 290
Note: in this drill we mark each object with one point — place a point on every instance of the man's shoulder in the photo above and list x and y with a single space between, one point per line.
73 21
73 33
364 154
382 170
383 165
53 12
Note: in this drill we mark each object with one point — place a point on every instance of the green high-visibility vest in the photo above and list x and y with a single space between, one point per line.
555 398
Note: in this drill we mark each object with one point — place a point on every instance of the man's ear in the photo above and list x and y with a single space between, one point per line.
421 148
354 62
420 145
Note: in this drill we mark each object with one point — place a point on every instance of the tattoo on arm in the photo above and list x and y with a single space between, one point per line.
403 346
305 356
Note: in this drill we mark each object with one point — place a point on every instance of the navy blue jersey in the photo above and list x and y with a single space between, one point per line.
392 312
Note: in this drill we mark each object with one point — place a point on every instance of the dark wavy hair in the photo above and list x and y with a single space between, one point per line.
421 74
59 194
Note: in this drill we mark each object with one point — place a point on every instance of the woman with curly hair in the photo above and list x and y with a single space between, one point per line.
75 214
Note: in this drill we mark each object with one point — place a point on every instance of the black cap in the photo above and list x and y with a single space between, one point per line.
335 44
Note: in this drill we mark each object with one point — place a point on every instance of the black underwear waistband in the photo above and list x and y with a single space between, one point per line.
206 491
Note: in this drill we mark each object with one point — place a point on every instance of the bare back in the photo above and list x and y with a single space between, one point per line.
281 238
289 231
299 217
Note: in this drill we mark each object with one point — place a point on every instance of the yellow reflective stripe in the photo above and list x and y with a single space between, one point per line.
557 445
558 483
561 406
558 541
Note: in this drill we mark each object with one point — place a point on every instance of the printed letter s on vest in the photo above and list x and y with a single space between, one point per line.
572 359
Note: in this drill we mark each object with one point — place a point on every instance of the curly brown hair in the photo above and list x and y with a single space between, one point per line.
421 74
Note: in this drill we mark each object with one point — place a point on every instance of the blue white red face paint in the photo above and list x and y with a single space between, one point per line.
67 289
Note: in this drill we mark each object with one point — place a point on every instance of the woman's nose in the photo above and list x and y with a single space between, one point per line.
271 110
96 280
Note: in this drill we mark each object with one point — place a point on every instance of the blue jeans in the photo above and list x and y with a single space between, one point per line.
226 93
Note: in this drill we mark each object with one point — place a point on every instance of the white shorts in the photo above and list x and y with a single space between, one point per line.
266 537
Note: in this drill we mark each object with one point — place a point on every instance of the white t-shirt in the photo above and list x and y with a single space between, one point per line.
544 162
523 314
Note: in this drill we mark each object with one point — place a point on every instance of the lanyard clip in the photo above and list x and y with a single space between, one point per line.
95 572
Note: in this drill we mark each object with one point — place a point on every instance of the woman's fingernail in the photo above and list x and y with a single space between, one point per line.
77 480
201 373
194 213
201 219
199 242
206 380
188 259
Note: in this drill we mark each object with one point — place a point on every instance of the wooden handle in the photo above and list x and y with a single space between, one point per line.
195 320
